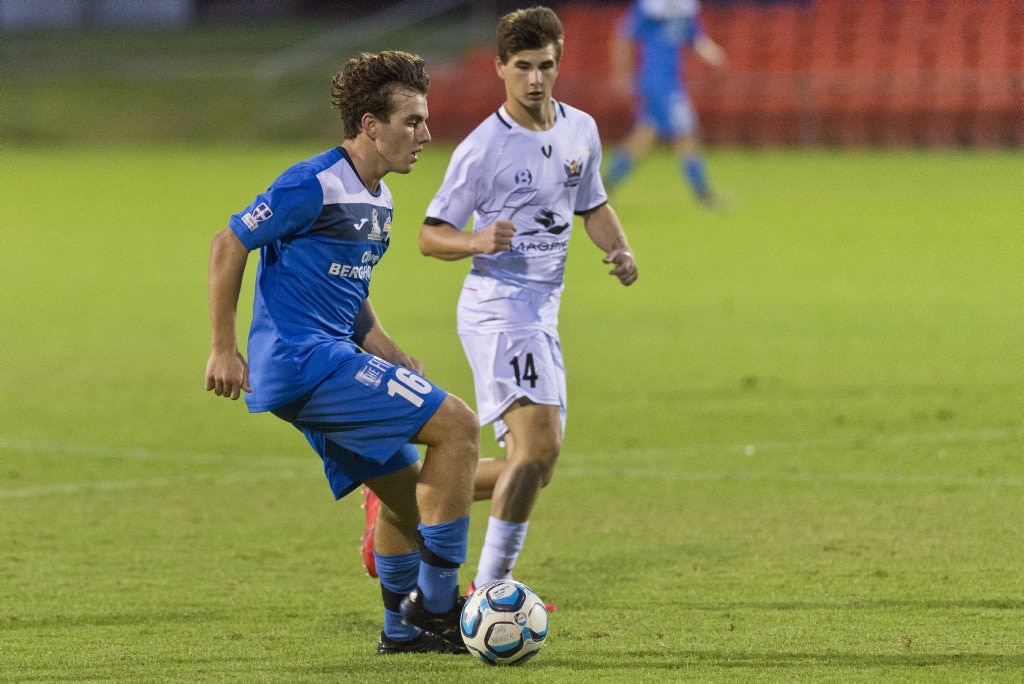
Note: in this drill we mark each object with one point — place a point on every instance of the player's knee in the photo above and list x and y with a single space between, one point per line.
463 428
548 470
537 471
550 448
542 459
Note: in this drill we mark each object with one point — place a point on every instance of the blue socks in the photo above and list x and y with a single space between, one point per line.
397 578
620 167
693 169
442 551
434 568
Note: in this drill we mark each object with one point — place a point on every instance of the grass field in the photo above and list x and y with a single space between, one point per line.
794 448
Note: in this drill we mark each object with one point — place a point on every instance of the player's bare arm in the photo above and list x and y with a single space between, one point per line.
371 337
446 242
227 373
710 51
603 227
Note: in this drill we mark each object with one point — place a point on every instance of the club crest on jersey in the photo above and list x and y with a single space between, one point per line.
376 233
252 219
573 172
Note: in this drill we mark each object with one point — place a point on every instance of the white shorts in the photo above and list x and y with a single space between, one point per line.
513 364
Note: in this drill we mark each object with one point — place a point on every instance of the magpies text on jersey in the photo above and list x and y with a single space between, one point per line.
526 247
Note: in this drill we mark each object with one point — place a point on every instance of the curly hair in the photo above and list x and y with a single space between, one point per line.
529 29
368 83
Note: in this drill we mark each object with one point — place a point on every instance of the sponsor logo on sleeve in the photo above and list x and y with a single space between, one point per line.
260 213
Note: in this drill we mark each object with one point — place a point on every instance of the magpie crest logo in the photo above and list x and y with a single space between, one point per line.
573 173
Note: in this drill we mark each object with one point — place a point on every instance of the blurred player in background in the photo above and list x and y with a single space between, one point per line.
520 177
319 358
647 55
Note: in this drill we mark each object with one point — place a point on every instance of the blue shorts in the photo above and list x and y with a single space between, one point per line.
361 418
668 112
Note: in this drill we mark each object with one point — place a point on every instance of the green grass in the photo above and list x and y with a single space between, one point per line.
793 452
202 85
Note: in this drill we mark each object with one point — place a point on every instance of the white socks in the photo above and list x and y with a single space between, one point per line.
502 544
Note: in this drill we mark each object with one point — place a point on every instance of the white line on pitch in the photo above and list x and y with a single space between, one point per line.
571 468
96 451
145 483
902 439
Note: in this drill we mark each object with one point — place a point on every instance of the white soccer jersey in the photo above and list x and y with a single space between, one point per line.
538 180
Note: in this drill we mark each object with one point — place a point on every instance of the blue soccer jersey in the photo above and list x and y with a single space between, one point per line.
661 28
320 233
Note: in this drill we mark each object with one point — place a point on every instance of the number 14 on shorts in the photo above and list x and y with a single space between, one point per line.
525 369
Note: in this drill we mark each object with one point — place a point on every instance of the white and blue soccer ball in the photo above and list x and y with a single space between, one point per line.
504 623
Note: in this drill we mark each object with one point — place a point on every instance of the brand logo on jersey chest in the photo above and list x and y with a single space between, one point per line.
376 233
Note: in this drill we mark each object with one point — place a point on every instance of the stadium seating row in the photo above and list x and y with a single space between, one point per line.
827 72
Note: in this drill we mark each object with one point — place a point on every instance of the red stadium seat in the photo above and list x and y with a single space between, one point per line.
832 72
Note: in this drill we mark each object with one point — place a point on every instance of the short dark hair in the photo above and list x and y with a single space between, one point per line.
369 82
529 29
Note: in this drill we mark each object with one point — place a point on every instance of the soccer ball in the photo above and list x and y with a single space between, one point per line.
504 623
